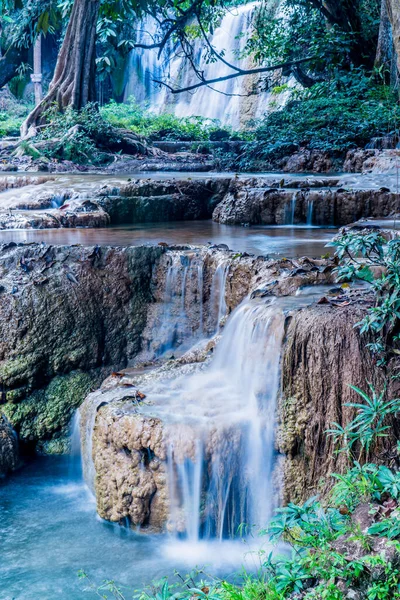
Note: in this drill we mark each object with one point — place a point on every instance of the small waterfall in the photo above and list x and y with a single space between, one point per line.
200 296
219 428
177 326
75 470
235 105
185 311
87 417
290 210
218 308
310 210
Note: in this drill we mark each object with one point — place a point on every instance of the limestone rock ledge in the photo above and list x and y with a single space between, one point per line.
324 354
44 203
68 316
253 202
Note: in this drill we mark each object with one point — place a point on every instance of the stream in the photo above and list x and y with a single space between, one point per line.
259 240
49 529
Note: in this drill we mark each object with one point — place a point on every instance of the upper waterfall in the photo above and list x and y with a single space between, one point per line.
231 102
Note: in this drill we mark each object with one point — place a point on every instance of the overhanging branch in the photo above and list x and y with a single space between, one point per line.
241 73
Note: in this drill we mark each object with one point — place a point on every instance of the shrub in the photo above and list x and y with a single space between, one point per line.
373 258
166 126
333 117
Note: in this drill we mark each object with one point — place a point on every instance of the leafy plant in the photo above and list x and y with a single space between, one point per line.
369 424
165 126
342 112
373 258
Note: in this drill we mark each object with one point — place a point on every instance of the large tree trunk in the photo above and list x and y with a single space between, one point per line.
393 9
346 15
384 49
73 82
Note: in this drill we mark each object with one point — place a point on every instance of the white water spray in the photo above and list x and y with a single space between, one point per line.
219 428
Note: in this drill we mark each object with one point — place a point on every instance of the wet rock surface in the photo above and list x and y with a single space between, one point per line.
252 202
68 316
183 160
154 201
44 202
8 447
324 354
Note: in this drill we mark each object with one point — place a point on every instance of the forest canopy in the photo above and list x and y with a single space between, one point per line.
329 48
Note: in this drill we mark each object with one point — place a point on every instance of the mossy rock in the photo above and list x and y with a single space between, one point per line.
45 415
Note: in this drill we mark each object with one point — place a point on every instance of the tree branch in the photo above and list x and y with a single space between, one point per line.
207 82
213 50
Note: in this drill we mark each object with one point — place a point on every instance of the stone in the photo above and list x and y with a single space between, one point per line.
61 339
8 447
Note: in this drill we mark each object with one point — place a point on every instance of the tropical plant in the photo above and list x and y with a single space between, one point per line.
374 258
369 424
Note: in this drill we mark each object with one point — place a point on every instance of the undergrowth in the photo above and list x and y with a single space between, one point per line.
165 126
333 116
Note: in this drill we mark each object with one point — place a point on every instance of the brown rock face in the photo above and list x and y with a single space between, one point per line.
252 203
130 469
323 355
68 316
155 201
8 447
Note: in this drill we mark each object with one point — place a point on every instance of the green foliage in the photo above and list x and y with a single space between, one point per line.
364 482
78 134
300 30
309 524
373 258
12 115
369 424
389 528
335 116
165 126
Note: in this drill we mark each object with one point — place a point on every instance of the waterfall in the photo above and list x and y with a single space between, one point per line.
310 209
219 428
290 210
75 470
185 313
208 420
218 308
234 106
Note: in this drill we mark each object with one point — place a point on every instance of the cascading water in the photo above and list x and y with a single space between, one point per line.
290 210
310 210
196 456
218 308
186 314
234 106
219 428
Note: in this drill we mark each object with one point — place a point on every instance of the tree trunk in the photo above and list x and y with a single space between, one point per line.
384 49
393 9
73 82
344 13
